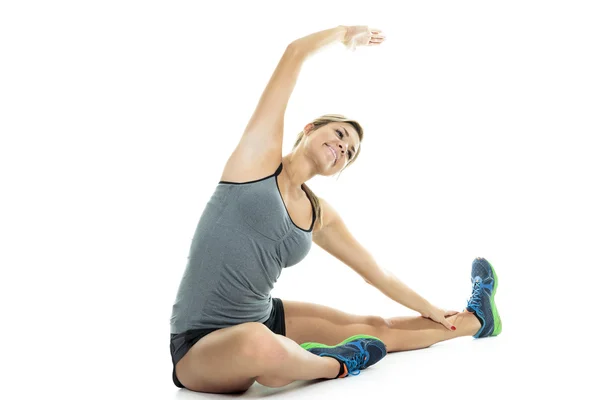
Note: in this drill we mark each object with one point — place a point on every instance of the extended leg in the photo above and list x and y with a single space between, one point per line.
309 322
410 333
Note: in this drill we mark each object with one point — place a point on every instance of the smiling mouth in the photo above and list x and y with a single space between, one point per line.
332 152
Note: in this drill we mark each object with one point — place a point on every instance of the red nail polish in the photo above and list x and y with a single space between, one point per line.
453 328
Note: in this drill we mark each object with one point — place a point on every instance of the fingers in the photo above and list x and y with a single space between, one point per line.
376 39
363 36
377 34
444 322
437 318
448 325
449 313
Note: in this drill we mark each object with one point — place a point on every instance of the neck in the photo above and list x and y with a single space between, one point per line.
297 171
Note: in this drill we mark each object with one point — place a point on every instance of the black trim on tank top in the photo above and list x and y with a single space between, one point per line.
276 173
312 224
314 214
279 169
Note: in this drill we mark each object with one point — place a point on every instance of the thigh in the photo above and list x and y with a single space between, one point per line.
309 322
220 362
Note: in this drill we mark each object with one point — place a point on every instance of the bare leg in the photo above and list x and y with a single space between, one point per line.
232 359
410 333
309 322
297 364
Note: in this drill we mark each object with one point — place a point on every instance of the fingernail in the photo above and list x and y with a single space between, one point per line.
453 328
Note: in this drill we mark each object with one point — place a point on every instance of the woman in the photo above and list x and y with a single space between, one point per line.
226 330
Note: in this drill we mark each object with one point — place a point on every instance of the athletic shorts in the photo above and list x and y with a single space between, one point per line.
182 342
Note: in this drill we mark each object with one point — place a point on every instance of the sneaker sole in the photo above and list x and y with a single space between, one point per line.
313 345
497 320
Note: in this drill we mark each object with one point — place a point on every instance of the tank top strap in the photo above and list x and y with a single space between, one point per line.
279 169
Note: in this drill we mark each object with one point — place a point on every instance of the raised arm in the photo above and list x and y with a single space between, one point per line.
265 127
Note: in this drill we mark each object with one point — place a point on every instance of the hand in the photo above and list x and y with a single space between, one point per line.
439 315
361 36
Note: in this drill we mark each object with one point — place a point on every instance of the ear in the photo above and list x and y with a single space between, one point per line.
308 128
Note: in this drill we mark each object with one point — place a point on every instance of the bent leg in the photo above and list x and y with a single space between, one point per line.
294 363
231 359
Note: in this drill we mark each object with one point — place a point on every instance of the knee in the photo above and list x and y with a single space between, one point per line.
262 346
378 323
380 326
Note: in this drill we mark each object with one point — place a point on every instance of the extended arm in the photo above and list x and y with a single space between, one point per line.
335 238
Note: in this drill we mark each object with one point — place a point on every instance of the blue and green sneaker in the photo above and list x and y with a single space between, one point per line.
355 353
481 303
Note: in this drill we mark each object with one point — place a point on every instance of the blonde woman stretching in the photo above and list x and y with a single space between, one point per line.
226 330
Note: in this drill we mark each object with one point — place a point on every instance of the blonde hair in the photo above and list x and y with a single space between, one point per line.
318 123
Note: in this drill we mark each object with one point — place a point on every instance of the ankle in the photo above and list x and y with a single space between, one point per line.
467 323
336 367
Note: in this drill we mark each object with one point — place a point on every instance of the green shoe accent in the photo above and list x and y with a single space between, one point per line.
497 320
312 345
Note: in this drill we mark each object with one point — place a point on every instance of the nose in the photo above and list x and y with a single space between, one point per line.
343 147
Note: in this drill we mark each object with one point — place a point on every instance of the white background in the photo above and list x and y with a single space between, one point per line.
481 123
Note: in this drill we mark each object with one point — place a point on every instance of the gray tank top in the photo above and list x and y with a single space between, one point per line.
244 238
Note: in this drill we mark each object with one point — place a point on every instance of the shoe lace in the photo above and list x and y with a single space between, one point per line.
356 362
475 301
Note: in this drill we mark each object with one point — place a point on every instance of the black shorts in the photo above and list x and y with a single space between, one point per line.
182 342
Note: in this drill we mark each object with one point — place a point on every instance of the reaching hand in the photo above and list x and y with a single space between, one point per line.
439 315
361 36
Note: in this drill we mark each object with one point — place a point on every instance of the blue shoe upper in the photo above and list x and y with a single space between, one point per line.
357 354
482 279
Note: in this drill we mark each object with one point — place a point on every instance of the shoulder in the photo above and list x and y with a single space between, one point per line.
330 215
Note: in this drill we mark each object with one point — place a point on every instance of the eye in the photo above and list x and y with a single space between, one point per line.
341 136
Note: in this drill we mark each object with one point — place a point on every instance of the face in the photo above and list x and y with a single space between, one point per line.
334 145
